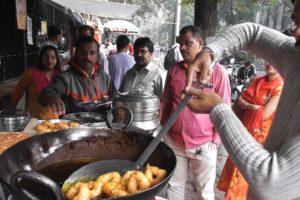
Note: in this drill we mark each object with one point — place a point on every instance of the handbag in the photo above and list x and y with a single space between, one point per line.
239 112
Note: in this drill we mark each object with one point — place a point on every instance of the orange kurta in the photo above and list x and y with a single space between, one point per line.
259 93
31 86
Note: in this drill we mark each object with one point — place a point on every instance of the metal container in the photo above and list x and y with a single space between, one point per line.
13 120
145 108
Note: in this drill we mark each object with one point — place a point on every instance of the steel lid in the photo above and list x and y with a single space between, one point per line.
86 117
14 116
136 96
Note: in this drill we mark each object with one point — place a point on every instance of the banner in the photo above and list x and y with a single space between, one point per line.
29 31
21 11
44 27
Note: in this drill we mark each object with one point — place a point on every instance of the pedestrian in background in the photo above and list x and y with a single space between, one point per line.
144 76
173 55
55 35
34 80
120 62
192 137
259 102
246 72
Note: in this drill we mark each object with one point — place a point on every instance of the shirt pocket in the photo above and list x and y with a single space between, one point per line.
145 86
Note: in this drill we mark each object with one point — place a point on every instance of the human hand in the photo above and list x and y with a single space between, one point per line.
202 101
57 105
253 107
199 70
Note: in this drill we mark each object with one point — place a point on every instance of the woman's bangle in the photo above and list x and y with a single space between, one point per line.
245 108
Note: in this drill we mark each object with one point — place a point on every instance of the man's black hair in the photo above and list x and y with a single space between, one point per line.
196 30
86 39
177 39
247 63
122 41
144 42
86 27
288 32
54 31
293 1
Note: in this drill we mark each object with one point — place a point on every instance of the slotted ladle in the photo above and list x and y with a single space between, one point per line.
93 170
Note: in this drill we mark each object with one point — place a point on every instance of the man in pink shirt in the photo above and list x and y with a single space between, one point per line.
192 137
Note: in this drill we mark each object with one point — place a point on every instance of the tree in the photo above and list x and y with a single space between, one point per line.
186 17
229 12
266 12
206 16
155 18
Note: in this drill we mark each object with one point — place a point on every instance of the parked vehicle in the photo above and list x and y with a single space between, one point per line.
232 63
238 89
236 92
232 69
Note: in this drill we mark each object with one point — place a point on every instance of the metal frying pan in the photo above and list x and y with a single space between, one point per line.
93 170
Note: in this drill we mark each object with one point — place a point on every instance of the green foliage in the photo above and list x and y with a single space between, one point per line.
188 2
236 11
155 18
187 15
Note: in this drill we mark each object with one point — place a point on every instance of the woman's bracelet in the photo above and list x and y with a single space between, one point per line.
246 105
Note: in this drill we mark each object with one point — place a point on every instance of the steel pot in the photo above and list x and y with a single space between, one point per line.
13 120
145 108
57 155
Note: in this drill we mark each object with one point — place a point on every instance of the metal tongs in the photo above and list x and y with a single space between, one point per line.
203 85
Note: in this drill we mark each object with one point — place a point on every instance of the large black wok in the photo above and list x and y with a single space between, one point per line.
57 155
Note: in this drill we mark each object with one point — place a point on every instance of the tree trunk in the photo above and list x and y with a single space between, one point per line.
206 16
231 14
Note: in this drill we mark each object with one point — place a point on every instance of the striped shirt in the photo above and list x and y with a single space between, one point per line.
272 170
74 86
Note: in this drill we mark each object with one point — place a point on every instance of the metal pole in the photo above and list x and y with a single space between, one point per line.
177 19
25 48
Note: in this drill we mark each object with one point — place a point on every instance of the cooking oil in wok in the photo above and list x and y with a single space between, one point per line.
60 171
